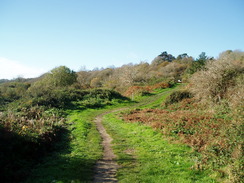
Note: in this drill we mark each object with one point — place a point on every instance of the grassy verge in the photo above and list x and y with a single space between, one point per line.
145 156
76 153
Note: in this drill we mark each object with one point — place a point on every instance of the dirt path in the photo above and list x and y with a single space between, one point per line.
106 168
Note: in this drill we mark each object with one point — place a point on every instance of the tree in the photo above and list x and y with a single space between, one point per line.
199 64
62 76
82 79
164 56
173 71
182 56
202 57
58 77
96 82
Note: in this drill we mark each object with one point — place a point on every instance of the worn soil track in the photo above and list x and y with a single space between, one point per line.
106 168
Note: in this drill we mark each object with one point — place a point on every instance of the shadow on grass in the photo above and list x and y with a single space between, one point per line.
62 169
62 166
19 154
22 160
79 106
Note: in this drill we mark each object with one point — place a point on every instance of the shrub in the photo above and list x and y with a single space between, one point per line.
101 97
13 91
219 79
61 76
137 91
161 85
26 136
177 96
218 138
173 71
31 122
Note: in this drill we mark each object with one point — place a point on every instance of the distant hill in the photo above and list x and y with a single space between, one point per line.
30 80
4 81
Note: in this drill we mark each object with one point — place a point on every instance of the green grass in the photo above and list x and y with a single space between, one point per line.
145 156
76 154
142 152
79 147
156 98
77 151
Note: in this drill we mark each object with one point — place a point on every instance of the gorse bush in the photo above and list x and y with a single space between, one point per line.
64 97
38 113
61 76
57 97
12 91
99 97
177 96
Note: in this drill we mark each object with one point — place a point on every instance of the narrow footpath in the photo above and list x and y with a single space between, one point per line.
106 168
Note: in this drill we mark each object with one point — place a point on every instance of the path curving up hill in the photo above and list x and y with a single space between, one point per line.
106 168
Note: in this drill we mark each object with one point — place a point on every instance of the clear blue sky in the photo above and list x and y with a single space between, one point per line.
36 36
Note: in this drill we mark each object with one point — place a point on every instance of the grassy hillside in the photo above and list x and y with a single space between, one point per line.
35 127
207 115
42 116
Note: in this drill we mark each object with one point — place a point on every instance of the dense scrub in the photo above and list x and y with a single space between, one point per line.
19 154
208 116
164 68
33 116
177 96
221 81
217 137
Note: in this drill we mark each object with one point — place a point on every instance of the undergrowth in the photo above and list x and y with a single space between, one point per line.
78 150
32 125
216 136
76 154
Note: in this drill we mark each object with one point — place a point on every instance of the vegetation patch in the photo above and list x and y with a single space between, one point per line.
33 121
76 153
177 96
145 156
216 136
49 120
145 90
30 132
